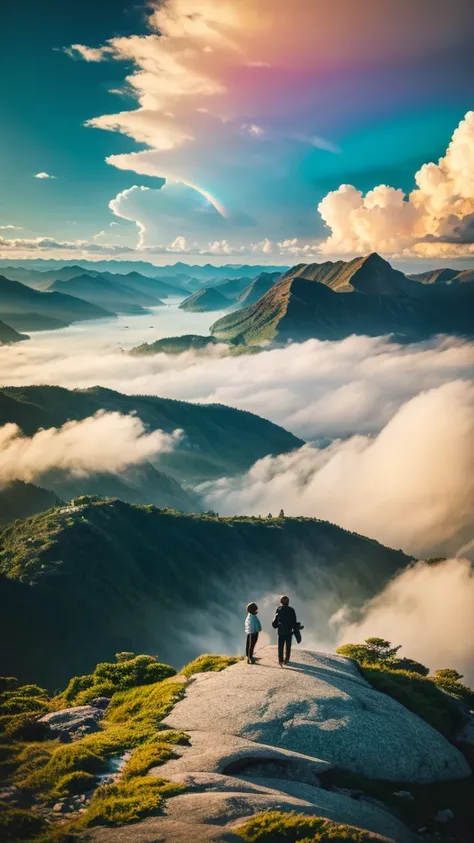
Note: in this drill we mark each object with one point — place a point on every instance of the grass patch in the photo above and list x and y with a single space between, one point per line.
71 783
154 752
279 827
110 677
127 801
51 770
209 662
132 718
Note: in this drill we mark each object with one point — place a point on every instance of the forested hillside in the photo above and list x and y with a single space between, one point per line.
82 582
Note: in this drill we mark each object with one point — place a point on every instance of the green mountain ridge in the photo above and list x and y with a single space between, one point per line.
259 286
208 449
175 345
331 301
79 583
16 298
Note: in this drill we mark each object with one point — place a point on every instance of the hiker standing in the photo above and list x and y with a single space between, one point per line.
252 628
286 624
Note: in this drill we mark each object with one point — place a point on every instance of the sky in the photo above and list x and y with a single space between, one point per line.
237 130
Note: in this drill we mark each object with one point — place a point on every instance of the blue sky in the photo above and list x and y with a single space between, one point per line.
254 113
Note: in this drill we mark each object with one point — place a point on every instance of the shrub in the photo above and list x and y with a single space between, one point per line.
103 689
110 677
124 657
209 662
449 680
410 665
373 651
16 824
406 681
279 827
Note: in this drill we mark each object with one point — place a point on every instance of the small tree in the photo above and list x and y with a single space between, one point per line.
447 674
282 514
448 680
125 657
380 650
372 651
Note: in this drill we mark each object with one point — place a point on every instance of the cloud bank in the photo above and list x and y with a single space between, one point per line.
411 486
247 103
429 610
315 389
437 218
105 442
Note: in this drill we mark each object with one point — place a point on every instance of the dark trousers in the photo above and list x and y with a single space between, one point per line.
284 642
250 644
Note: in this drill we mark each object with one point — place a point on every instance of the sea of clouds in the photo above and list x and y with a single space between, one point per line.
389 454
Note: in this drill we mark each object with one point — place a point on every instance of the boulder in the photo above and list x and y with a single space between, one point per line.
73 723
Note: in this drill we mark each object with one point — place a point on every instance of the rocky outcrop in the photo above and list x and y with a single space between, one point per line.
322 707
73 723
262 738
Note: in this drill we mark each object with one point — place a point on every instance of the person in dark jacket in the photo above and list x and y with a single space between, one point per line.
285 622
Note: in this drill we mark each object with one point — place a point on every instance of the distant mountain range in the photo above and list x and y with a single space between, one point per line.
205 301
25 309
9 335
364 296
111 295
81 583
178 271
444 276
231 293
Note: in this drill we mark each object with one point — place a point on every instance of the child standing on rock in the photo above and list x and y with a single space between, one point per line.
252 628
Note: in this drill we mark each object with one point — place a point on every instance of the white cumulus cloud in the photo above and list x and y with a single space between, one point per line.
437 218
105 442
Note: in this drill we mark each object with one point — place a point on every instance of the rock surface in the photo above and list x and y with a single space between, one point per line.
319 706
73 722
262 738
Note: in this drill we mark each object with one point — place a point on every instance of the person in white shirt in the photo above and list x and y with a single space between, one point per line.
252 628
